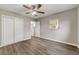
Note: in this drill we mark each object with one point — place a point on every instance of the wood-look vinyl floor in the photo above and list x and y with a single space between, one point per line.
38 46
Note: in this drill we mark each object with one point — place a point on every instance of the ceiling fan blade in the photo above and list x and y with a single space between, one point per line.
29 11
33 6
41 12
26 7
38 6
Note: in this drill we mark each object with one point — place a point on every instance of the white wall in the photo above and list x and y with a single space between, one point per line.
27 30
67 32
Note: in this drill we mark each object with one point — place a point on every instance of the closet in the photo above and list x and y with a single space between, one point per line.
12 30
7 30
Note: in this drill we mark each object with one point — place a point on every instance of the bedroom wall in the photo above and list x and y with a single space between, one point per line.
67 32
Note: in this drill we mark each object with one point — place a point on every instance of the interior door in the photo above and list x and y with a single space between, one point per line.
37 29
32 28
7 30
19 29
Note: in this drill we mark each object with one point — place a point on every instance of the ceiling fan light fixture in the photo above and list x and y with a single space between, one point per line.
34 13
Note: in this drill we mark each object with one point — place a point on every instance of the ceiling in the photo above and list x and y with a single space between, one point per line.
47 8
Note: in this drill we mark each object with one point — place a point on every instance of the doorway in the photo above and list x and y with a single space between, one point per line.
35 28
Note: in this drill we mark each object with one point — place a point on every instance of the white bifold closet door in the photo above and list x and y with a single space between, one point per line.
7 30
12 30
19 29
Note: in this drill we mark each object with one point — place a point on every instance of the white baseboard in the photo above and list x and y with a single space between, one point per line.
61 42
29 37
16 42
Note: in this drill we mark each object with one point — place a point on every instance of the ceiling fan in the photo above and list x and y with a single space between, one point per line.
34 9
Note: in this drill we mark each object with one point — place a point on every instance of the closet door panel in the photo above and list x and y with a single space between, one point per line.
7 30
19 29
